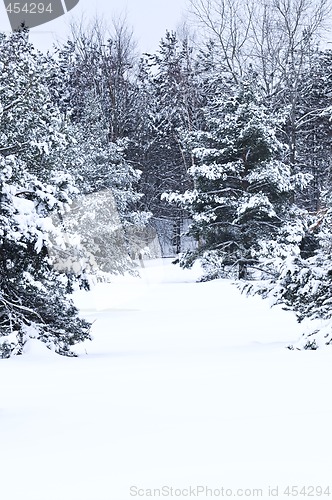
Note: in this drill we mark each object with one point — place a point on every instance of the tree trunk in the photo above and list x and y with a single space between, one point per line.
243 271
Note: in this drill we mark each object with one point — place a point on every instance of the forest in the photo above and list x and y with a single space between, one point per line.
218 146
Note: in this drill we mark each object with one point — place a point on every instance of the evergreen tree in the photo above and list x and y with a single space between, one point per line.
242 199
34 300
303 282
169 89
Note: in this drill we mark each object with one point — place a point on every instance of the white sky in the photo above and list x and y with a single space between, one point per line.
149 19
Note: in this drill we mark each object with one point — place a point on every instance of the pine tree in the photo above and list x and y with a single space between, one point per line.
34 301
303 283
169 90
242 198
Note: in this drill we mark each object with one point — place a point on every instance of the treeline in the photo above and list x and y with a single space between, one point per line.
228 125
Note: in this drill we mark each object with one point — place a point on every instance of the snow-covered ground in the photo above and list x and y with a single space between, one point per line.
185 385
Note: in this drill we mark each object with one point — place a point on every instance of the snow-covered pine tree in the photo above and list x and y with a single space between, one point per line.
303 284
303 280
242 199
34 300
168 93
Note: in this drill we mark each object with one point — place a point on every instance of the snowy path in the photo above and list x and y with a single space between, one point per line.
186 384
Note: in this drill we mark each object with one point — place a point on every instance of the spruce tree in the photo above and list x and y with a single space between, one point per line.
34 138
168 94
242 199
303 284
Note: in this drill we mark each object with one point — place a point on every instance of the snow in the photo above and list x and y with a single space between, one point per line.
184 384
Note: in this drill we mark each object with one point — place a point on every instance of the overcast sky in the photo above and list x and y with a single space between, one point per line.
149 18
